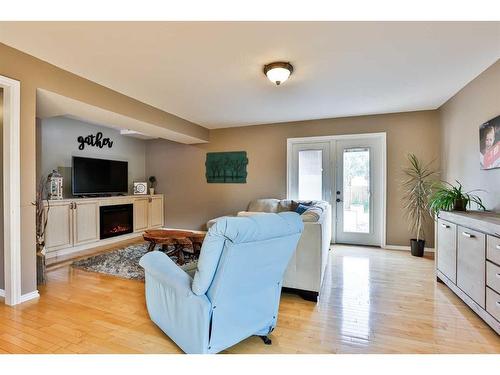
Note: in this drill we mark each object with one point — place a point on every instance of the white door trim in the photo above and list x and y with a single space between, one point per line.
11 189
382 136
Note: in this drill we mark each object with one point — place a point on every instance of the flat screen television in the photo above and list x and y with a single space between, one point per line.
99 176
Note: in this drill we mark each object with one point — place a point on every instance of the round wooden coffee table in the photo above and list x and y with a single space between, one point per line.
184 241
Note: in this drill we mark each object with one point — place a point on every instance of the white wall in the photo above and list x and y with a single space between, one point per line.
57 143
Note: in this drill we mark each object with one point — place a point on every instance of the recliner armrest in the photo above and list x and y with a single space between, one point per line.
165 271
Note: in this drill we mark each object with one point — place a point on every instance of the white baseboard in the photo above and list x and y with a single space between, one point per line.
2 293
29 296
405 248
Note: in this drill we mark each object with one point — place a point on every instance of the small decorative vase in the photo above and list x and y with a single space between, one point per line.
152 191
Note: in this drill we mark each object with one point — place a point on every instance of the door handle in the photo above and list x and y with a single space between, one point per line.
338 200
498 275
498 247
445 226
466 234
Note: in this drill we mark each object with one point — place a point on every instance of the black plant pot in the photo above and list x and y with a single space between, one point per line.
417 247
459 205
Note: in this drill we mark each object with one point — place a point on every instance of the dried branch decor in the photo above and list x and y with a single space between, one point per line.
41 214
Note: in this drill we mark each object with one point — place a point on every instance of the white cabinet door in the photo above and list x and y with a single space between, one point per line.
471 258
86 222
141 212
59 231
156 212
447 249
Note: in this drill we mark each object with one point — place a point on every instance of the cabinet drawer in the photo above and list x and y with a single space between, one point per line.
493 276
493 303
493 249
471 258
447 249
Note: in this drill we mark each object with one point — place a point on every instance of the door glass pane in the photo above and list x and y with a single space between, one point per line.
356 194
310 175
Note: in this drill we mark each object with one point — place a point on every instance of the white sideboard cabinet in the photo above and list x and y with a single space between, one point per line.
468 260
74 224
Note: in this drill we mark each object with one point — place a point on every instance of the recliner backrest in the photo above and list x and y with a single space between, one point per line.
245 288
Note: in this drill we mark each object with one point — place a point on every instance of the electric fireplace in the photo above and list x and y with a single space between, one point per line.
116 220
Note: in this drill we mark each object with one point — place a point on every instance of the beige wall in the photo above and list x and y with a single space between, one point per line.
461 117
34 73
2 273
190 201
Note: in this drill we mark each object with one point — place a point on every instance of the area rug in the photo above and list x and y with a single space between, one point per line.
125 262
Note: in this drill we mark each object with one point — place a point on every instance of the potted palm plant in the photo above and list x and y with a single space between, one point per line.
417 186
447 197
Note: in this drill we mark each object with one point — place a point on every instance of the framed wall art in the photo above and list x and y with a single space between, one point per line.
489 144
226 167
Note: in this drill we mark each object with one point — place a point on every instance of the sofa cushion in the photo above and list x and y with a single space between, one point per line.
313 214
264 205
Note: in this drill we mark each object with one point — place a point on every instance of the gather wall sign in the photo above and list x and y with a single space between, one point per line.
96 140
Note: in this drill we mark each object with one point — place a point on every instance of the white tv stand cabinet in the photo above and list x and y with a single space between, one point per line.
74 224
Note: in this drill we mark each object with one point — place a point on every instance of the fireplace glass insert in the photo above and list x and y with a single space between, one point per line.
116 220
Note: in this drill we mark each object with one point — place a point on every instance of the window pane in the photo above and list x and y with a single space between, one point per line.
356 194
310 175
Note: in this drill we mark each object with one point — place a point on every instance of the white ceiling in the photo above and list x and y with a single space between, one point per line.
211 72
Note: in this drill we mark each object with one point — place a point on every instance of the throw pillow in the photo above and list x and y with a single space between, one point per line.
301 208
295 204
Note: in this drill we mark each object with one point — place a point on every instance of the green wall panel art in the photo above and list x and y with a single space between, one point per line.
226 167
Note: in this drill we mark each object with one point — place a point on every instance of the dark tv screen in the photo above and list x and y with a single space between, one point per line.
99 176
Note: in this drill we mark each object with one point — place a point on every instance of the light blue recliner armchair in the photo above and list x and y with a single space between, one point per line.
235 292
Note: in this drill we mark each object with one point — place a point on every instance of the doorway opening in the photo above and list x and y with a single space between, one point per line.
349 172
11 166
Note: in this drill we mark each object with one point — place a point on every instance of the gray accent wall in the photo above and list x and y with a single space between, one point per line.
460 119
57 143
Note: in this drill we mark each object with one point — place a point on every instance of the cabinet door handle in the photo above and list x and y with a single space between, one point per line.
498 247
468 235
498 275
498 303
445 226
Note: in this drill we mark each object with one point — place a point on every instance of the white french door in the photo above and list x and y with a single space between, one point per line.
349 173
311 172
358 191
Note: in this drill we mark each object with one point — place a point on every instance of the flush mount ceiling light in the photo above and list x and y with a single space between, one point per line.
278 72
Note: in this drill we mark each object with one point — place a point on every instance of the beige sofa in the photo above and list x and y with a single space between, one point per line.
306 269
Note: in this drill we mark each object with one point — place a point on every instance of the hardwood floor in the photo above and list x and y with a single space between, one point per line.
373 301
